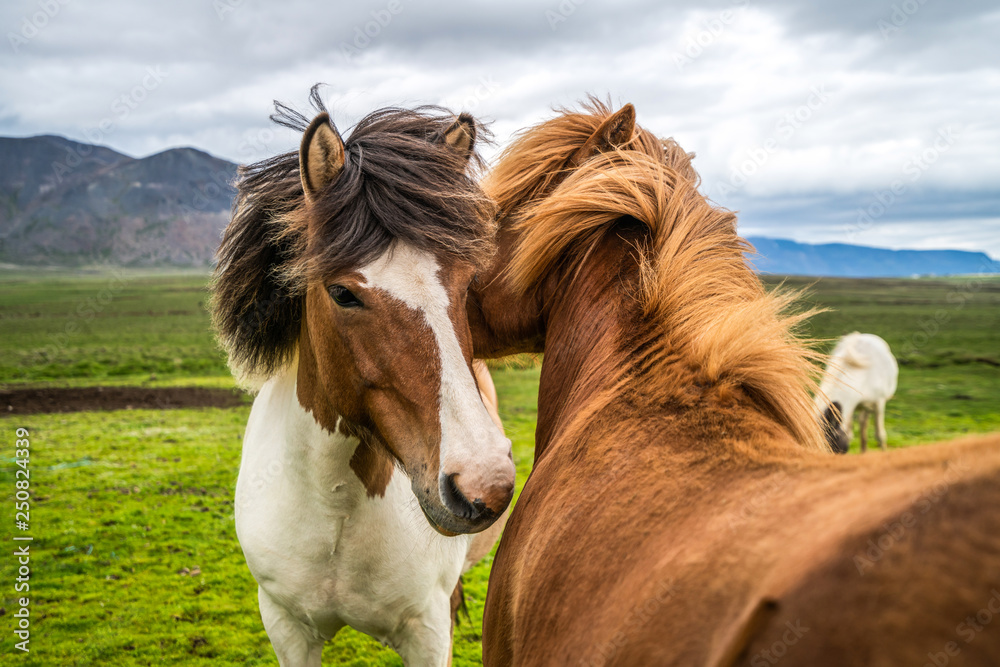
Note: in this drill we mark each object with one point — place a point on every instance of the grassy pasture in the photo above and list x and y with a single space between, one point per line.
129 505
945 334
105 328
135 559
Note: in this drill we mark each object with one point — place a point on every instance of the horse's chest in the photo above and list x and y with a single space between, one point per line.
347 558
318 543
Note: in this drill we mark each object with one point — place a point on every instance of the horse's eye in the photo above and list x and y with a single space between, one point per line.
343 297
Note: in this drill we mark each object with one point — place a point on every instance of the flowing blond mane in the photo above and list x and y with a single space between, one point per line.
711 322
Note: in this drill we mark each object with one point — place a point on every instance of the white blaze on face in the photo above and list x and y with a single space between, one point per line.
471 443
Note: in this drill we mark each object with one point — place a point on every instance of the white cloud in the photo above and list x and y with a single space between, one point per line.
735 82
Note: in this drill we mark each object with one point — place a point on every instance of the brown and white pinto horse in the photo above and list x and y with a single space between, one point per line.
683 508
341 286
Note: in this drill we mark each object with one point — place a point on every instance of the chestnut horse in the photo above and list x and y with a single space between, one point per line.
341 287
683 508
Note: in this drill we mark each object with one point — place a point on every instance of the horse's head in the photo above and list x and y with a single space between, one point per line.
385 346
381 250
833 428
596 212
506 320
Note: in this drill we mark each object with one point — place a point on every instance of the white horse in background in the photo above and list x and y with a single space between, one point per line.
859 378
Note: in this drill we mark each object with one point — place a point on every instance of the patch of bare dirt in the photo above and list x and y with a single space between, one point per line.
85 399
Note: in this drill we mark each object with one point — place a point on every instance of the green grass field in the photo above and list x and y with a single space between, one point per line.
945 335
135 559
121 327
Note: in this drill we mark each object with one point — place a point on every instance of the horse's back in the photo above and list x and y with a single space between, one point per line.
881 572
902 586
771 556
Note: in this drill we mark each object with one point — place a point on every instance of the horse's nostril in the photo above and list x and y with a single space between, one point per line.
458 503
454 499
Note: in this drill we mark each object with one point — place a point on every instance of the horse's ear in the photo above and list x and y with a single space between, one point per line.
321 156
615 131
461 136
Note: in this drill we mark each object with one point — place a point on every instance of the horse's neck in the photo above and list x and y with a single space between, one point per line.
595 334
502 322
589 318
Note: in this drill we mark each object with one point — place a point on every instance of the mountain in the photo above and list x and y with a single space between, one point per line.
68 203
852 261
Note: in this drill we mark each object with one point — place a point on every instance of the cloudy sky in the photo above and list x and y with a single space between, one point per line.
875 122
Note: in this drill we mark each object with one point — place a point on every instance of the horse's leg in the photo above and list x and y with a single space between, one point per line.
847 419
425 640
457 607
863 427
295 644
880 433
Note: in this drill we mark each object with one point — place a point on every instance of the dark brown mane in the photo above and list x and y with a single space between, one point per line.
709 321
399 183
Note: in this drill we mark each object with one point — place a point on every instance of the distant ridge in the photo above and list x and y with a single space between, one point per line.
780 256
67 203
